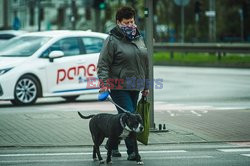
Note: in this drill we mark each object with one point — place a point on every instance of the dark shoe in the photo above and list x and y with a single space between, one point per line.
116 153
131 157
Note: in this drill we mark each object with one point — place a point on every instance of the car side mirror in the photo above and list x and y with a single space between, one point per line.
55 54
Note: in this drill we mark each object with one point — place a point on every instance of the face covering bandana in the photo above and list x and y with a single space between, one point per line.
129 30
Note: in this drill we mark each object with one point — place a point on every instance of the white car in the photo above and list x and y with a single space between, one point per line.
50 63
5 35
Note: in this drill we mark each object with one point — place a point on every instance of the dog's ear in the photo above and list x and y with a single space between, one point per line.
125 115
125 118
128 114
138 117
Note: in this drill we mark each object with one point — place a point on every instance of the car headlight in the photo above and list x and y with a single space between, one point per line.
3 71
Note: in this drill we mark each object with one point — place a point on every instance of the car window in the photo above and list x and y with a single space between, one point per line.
92 44
22 46
69 46
6 36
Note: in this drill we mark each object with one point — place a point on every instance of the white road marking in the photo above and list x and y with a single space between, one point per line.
43 161
248 155
197 114
162 151
176 109
171 114
84 160
204 111
85 153
44 154
179 157
164 106
235 150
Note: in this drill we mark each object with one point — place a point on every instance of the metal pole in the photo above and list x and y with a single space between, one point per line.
197 18
212 22
149 43
97 20
73 16
5 14
39 15
241 24
182 23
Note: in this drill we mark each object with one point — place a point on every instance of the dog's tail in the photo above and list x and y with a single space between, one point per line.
85 117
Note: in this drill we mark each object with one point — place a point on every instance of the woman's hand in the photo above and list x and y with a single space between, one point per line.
145 92
103 89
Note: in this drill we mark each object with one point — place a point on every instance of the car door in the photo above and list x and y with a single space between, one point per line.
92 47
69 75
61 73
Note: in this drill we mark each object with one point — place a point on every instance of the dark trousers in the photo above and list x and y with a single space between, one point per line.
127 99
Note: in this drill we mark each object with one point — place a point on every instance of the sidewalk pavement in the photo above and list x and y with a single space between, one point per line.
68 129
63 129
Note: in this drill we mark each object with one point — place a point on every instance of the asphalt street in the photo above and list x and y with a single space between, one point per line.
185 87
158 155
196 86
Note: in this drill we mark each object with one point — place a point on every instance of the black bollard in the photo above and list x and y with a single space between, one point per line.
164 126
160 127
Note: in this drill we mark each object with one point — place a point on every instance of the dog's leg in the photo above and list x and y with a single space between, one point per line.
138 157
110 147
108 160
99 155
98 142
94 147
94 153
97 139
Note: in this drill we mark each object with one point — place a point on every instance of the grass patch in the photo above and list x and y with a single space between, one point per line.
232 58
199 59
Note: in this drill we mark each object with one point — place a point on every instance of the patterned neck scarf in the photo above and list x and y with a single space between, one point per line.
129 30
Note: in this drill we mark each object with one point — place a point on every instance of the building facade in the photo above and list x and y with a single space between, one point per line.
34 15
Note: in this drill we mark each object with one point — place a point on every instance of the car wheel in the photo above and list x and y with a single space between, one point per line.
26 90
70 98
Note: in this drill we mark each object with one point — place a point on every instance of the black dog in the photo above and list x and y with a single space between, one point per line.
115 128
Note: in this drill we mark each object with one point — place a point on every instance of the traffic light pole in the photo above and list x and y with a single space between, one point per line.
182 24
73 14
212 22
6 3
39 15
97 20
197 11
148 12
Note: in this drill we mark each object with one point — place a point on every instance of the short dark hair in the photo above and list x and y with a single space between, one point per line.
125 12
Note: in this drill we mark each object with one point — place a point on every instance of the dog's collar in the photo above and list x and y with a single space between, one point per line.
121 122
124 125
127 128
